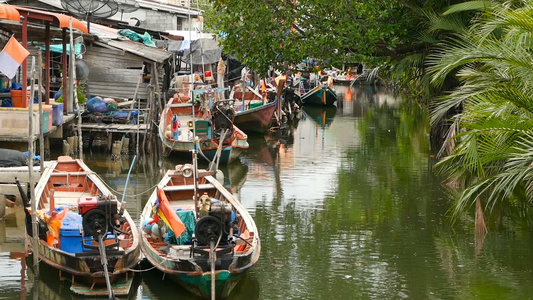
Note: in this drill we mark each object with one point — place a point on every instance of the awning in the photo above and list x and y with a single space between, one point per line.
63 21
8 12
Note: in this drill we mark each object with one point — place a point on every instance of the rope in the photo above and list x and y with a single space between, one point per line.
119 193
140 271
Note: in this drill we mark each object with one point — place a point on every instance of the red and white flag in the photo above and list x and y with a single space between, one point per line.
12 57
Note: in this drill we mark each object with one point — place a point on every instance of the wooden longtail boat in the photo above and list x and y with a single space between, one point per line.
256 119
225 244
69 192
320 95
176 129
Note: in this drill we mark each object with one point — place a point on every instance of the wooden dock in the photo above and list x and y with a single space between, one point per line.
121 128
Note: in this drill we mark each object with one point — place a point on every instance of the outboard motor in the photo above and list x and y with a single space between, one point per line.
222 116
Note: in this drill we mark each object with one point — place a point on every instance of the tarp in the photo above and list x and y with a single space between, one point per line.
59 48
204 51
14 158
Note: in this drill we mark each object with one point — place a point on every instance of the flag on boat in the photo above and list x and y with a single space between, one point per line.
12 57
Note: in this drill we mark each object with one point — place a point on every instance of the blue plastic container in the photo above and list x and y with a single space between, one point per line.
71 240
57 114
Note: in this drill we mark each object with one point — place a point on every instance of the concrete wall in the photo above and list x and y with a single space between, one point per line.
159 20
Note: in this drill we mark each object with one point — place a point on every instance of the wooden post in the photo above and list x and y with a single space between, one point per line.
2 207
115 152
79 143
66 148
66 108
47 63
72 145
125 145
35 238
39 97
25 62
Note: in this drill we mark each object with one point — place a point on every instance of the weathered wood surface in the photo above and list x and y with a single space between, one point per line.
113 127
114 73
112 58
116 83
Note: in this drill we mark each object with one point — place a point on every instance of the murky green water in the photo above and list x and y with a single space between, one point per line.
347 207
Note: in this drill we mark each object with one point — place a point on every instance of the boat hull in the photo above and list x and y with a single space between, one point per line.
196 281
228 154
83 267
255 120
321 96
192 271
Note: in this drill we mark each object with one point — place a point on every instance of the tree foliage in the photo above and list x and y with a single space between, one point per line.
492 132
265 32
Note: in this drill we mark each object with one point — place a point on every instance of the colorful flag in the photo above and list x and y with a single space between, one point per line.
12 57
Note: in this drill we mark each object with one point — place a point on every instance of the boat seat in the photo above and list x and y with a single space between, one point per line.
176 188
70 174
63 198
183 204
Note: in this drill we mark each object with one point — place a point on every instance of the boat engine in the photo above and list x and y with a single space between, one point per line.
222 116
100 214
214 225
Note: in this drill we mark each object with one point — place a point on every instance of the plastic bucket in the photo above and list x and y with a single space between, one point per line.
17 100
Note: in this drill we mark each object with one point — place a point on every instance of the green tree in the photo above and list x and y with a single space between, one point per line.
491 140
264 32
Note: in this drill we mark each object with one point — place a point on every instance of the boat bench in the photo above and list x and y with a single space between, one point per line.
64 198
177 188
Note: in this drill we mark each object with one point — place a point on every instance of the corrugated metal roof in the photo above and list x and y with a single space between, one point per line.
150 53
110 36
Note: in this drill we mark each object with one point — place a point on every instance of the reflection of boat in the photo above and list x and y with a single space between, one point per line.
234 175
323 116
225 243
85 220
210 120
321 95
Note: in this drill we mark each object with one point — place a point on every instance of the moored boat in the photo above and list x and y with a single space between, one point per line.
85 223
213 121
256 117
207 243
320 95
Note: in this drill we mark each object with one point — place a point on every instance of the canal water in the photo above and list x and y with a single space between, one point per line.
347 207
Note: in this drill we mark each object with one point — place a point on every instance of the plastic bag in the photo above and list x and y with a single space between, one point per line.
97 104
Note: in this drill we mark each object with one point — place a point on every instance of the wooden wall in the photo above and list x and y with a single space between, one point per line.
114 73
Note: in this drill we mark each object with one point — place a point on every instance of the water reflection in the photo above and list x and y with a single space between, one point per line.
346 205
323 116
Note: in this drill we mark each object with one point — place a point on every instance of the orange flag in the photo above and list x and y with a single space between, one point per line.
12 57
